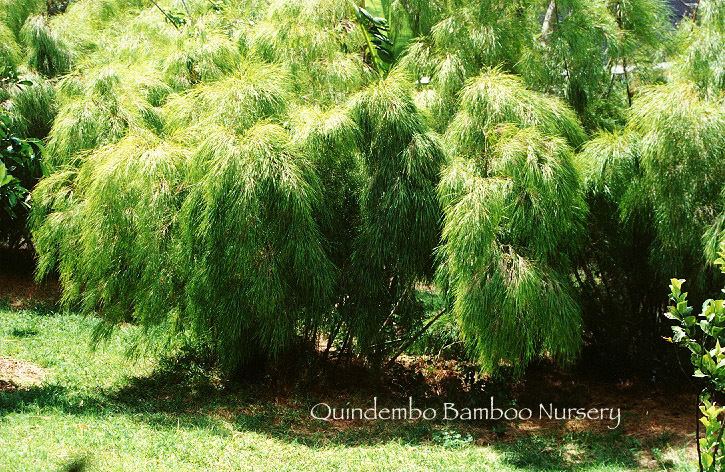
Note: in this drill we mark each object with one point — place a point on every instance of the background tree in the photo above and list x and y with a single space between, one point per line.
656 188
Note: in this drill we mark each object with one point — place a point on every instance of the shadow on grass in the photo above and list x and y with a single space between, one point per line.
56 398
48 396
38 307
572 451
185 395
24 332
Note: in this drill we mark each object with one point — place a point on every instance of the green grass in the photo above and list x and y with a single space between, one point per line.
119 414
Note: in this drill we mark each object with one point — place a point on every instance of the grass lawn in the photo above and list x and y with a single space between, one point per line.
119 414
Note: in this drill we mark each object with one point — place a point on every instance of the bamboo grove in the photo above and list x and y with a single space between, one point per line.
251 175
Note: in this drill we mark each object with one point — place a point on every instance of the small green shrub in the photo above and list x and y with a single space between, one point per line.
704 335
20 169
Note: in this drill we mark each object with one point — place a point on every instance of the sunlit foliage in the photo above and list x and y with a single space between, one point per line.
514 217
254 176
217 186
583 51
702 56
399 210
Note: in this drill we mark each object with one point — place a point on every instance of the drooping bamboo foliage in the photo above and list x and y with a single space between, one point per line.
331 139
251 185
590 53
674 136
464 39
683 144
656 195
660 178
494 98
14 13
135 185
200 58
319 43
34 107
9 53
514 219
702 59
98 110
399 211
253 92
247 174
273 276
48 53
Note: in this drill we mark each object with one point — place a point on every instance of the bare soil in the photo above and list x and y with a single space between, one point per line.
15 374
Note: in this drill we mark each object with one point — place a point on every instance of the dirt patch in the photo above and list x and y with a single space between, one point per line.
647 410
15 374
17 287
656 415
20 291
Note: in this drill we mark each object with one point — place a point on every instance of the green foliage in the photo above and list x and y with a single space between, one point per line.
702 335
175 247
48 54
571 48
272 260
205 58
707 356
443 339
514 218
494 98
656 194
81 26
399 210
673 136
100 109
9 54
380 47
702 56
611 160
464 40
276 272
33 107
14 13
20 169
330 139
683 144
255 91
418 16
319 45
277 161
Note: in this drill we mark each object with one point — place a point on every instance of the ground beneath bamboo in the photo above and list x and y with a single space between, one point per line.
651 414
18 289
